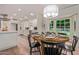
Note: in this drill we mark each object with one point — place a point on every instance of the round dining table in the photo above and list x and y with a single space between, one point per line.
50 40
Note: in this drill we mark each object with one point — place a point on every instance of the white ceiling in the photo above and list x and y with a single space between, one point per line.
26 9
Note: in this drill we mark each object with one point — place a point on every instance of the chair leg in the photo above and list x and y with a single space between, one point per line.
71 52
30 51
65 51
60 51
39 49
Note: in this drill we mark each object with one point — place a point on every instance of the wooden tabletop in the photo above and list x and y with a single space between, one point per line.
56 39
38 37
51 39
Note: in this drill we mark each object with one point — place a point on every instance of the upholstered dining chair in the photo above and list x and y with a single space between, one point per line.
33 45
70 47
50 34
62 34
35 33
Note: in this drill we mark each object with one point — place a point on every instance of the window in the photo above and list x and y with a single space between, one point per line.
51 25
63 25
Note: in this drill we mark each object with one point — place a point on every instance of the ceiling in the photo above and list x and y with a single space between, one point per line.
20 11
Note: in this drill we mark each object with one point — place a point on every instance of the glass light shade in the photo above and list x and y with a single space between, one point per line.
45 15
51 11
32 14
48 14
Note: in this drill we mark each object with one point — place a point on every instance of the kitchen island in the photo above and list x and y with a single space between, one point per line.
8 40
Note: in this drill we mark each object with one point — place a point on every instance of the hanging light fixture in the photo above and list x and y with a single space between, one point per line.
51 11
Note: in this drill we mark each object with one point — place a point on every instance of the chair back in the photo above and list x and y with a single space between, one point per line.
42 33
62 34
74 43
52 34
35 33
48 33
29 38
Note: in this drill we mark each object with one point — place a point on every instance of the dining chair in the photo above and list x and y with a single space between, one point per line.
35 33
62 35
50 34
53 34
70 47
42 33
33 45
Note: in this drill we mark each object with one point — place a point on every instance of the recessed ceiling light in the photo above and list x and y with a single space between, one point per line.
19 9
45 15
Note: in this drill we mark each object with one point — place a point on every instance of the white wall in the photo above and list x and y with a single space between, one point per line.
12 25
40 23
23 24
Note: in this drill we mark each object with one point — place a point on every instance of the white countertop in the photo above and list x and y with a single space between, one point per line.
8 32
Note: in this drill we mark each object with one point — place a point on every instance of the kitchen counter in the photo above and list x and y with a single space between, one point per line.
8 32
8 40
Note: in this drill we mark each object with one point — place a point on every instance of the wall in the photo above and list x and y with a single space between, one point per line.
40 23
22 27
12 25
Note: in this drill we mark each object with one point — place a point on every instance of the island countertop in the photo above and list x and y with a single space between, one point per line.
8 32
